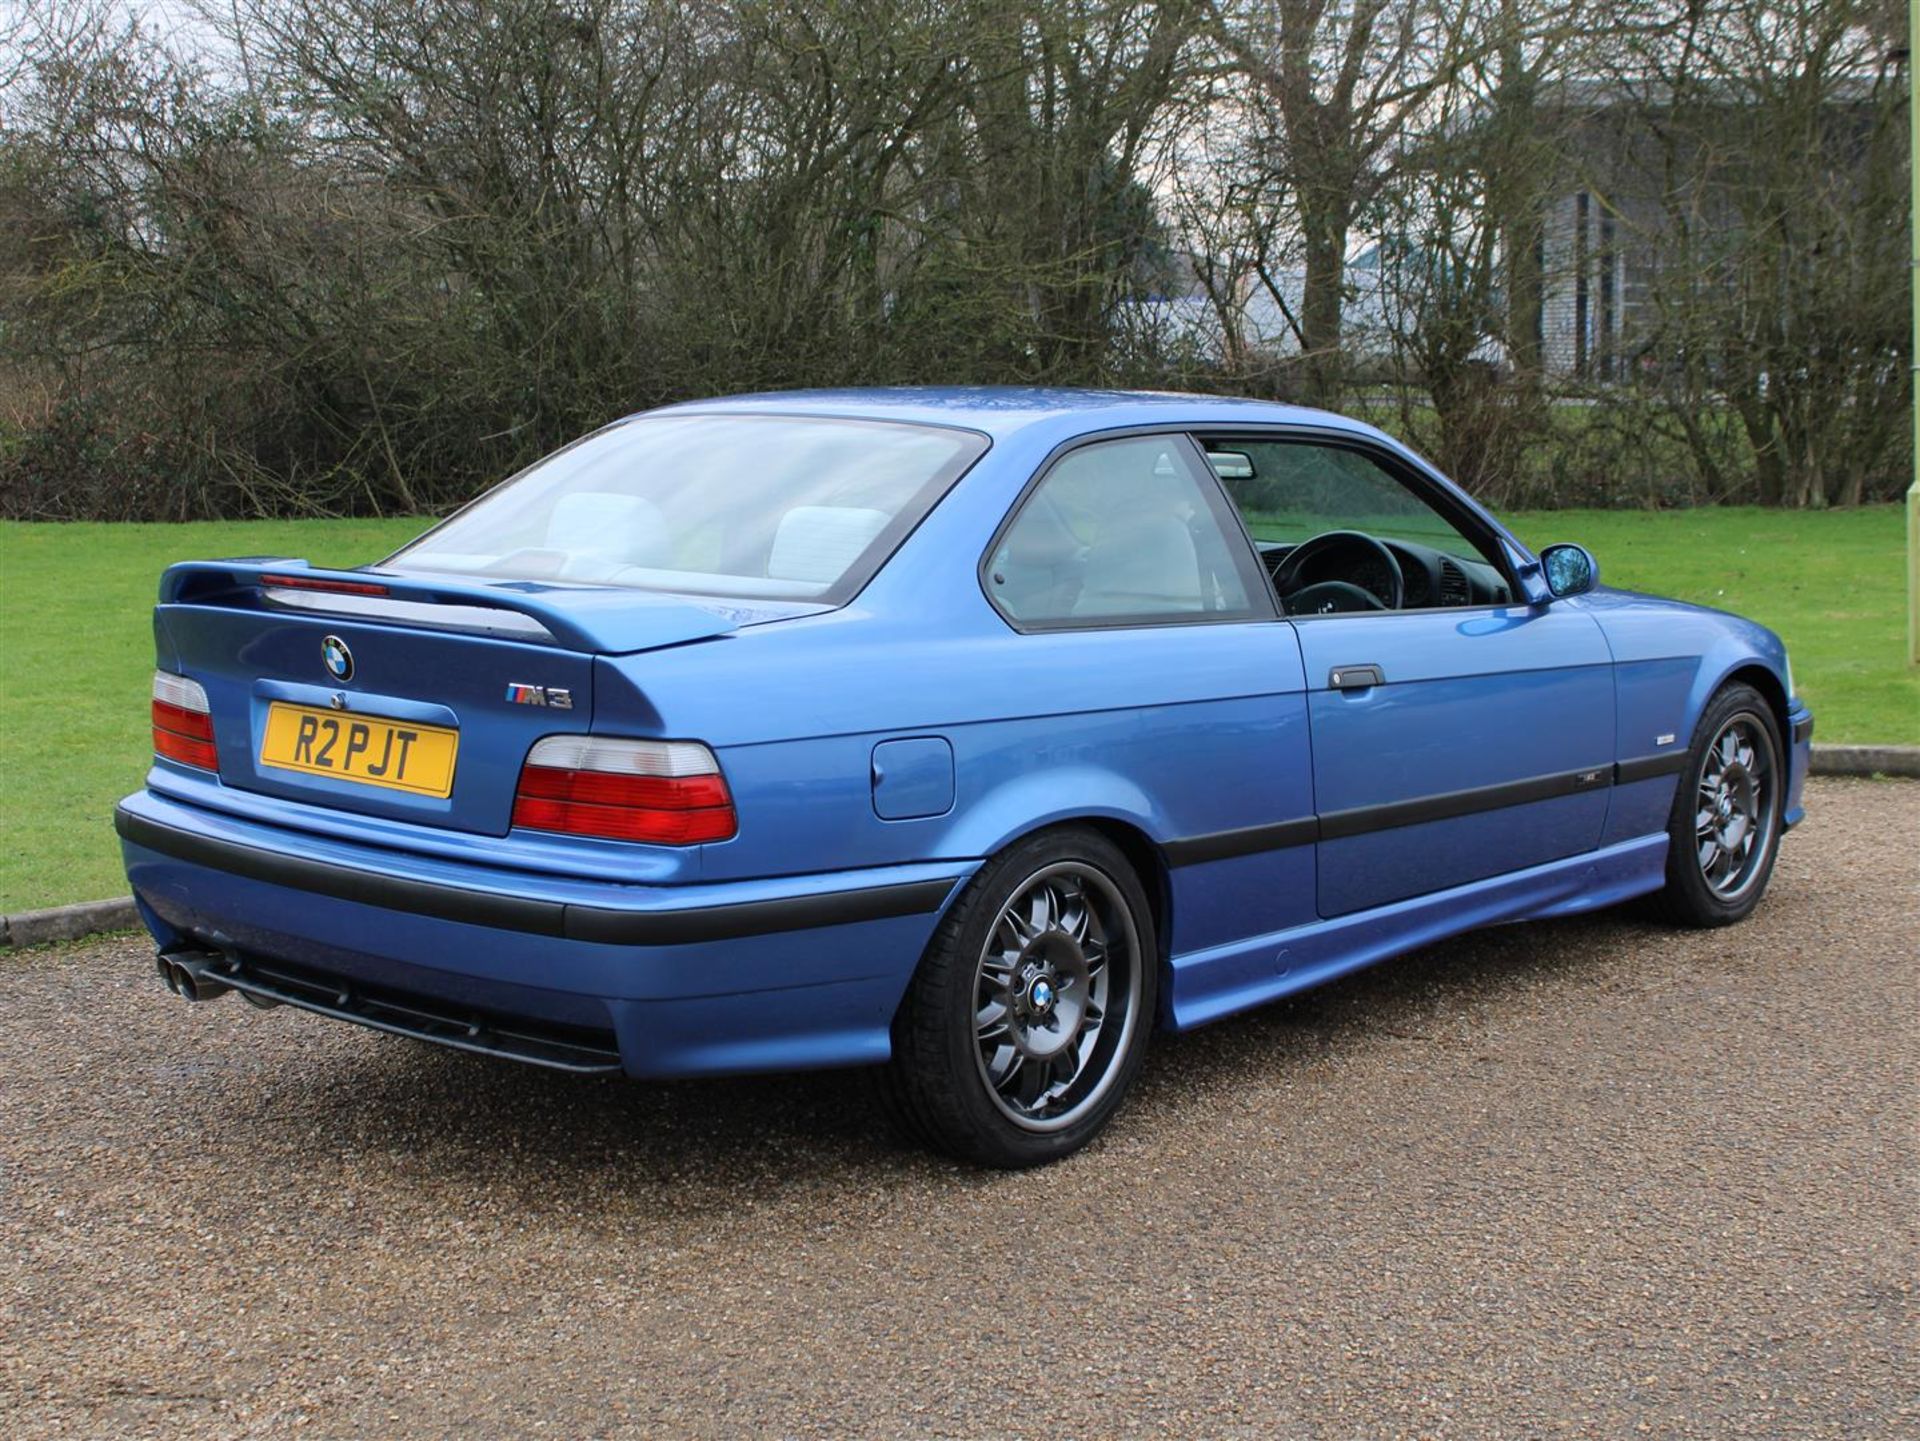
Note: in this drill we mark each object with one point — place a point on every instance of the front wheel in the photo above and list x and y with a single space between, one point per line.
1724 831
1029 1015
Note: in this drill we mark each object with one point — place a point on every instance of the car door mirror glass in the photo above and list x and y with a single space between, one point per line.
1570 569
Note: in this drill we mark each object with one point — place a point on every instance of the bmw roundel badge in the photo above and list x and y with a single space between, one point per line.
338 658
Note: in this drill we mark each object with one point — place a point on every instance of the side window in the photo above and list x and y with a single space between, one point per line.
1123 532
1288 491
1339 531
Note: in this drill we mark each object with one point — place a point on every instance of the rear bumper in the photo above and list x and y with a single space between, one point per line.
784 974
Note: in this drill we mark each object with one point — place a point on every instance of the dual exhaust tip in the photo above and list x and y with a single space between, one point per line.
190 974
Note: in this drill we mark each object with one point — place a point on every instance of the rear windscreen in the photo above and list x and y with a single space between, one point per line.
780 507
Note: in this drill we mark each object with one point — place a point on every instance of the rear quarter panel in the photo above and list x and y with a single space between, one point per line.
1173 731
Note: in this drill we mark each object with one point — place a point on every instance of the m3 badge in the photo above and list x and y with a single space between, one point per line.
554 697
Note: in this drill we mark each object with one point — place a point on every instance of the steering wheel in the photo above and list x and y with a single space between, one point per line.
1331 597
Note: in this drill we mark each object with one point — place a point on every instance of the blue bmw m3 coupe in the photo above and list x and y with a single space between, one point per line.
972 735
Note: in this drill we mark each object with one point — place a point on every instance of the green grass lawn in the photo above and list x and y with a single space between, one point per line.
76 671
76 647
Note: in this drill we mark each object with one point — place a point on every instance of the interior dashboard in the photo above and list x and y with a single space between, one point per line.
1430 577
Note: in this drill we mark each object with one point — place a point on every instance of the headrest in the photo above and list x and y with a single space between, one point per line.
606 524
816 543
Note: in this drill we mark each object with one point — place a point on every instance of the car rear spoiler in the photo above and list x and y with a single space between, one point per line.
604 620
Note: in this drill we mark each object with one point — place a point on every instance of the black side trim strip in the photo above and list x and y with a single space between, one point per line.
1645 768
686 926
1802 729
1361 820
1221 845
755 918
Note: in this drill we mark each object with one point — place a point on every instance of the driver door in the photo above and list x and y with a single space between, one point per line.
1462 736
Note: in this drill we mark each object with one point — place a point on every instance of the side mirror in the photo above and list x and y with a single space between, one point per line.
1569 569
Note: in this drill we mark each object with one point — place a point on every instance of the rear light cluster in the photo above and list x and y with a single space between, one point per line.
670 793
182 724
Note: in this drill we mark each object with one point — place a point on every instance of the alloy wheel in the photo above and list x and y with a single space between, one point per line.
1056 996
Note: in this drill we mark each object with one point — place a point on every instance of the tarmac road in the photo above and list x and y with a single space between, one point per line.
1585 1178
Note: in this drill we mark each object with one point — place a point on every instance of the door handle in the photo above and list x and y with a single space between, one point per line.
1355 677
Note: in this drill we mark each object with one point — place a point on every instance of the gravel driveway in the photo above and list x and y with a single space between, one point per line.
1586 1177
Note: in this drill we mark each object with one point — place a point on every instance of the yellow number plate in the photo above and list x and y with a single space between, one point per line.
400 755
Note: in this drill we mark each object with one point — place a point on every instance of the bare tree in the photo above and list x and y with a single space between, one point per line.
1463 248
1773 135
370 254
1341 82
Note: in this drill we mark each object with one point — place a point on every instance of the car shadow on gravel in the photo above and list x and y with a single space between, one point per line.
687 1147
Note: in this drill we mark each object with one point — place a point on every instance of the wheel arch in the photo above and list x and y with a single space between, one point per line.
1150 867
1142 852
1762 678
1149 864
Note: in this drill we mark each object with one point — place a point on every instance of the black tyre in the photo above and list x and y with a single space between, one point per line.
1724 832
1029 1015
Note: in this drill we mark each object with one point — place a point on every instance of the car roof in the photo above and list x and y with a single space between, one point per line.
1001 411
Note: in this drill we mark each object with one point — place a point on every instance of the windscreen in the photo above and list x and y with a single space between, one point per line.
780 507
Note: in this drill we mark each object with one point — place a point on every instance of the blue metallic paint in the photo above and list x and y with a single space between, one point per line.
247 659
834 728
1462 708
912 778
1671 658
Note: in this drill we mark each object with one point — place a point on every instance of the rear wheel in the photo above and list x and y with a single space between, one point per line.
1724 831
1028 1017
